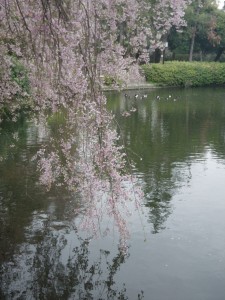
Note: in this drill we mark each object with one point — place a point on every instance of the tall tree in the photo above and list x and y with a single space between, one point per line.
218 33
201 32
163 16
201 21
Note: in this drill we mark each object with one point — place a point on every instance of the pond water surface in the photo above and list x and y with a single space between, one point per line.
177 246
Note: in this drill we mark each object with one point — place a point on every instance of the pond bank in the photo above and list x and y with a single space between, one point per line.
177 74
135 86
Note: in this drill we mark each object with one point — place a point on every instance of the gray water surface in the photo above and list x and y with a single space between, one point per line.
177 246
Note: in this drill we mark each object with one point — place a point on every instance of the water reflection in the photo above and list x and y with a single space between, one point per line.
179 151
167 132
20 191
48 266
42 255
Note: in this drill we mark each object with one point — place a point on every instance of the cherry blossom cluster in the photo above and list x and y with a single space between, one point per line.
68 46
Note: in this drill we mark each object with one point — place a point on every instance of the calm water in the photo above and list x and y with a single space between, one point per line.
177 247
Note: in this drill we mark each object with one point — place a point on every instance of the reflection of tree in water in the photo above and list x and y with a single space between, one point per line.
76 279
46 268
45 259
20 194
159 188
162 134
160 209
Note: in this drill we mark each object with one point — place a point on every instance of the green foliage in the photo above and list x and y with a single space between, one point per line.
20 75
179 42
206 24
220 28
108 80
56 119
112 81
197 56
20 100
186 73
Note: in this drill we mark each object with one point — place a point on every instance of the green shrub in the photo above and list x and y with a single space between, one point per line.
19 74
108 80
186 73
19 100
112 81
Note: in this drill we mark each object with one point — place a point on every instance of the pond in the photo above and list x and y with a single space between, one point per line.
176 138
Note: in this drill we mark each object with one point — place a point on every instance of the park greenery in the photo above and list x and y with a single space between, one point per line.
53 56
186 74
203 36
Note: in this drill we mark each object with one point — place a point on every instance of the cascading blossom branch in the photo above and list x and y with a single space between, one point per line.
165 14
67 47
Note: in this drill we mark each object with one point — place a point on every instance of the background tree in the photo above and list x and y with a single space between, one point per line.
203 32
200 17
218 33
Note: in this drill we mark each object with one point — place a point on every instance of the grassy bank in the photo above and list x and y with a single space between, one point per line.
186 73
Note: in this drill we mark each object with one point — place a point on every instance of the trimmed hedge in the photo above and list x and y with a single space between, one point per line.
186 73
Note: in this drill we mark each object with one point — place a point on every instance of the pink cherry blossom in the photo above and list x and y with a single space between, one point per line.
67 47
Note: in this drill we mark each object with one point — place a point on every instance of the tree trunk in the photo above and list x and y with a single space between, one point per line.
173 56
192 44
157 57
194 31
219 53
200 55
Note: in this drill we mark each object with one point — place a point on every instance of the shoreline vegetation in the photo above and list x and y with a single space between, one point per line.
177 74
169 74
185 74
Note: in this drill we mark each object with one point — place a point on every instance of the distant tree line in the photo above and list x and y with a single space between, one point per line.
204 34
